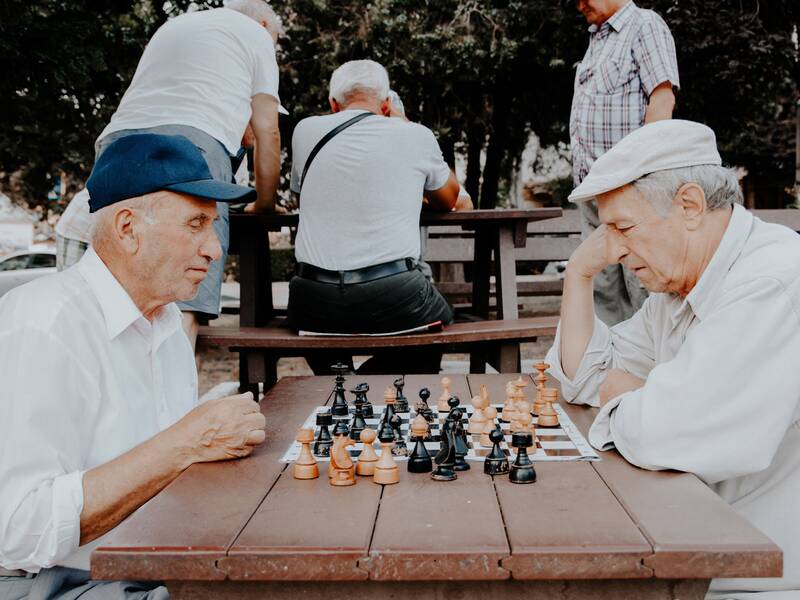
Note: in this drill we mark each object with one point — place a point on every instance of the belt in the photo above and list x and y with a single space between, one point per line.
14 573
307 271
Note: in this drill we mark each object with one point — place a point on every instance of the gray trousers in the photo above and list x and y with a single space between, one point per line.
618 293
61 583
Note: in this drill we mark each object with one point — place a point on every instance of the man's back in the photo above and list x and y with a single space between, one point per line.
362 195
200 69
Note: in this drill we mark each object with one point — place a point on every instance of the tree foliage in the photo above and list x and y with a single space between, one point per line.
483 74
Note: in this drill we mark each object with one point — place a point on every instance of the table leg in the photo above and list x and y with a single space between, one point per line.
508 358
255 277
619 589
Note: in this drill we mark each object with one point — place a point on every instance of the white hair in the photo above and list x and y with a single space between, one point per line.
359 77
259 10
102 222
720 185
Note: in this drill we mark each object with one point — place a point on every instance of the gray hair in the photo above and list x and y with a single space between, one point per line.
102 220
359 77
259 10
720 185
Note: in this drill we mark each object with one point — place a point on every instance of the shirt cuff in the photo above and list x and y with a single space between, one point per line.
600 434
67 508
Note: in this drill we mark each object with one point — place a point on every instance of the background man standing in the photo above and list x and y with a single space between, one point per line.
626 79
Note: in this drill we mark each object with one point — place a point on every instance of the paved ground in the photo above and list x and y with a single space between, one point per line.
218 366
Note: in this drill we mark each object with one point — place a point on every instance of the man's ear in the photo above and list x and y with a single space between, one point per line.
335 106
691 200
386 108
125 224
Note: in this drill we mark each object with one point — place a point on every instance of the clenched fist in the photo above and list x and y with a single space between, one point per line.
602 248
222 429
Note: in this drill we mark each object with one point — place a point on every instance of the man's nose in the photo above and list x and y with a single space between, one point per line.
211 248
615 245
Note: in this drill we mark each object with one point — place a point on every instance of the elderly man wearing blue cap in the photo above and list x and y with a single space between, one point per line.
100 406
703 378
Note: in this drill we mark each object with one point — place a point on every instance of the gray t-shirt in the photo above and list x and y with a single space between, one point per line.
362 196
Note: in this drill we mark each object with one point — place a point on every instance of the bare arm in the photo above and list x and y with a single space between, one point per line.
446 197
267 153
661 103
217 430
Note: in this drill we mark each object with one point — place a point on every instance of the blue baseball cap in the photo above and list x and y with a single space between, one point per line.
143 163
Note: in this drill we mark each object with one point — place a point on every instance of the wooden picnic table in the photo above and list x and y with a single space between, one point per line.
248 529
496 231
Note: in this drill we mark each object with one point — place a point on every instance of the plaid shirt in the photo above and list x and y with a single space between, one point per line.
628 57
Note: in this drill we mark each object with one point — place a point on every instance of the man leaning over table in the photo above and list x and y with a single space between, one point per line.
627 78
358 236
703 378
99 407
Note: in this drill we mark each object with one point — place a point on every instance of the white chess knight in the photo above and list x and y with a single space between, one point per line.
478 418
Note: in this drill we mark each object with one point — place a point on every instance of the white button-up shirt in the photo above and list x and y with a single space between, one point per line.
85 378
722 385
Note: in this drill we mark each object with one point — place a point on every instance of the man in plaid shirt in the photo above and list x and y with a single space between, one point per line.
627 78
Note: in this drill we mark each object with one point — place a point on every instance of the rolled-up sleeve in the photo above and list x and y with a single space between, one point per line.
47 416
627 346
722 405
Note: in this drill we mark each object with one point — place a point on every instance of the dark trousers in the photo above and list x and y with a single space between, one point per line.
392 303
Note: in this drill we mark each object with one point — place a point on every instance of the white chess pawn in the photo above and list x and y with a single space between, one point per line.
478 418
445 395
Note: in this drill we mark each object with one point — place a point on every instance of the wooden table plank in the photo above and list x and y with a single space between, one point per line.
306 530
188 527
438 531
694 532
568 525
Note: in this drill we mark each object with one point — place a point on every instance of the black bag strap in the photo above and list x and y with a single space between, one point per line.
327 138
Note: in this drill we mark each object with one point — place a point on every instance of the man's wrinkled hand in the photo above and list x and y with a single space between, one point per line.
618 382
222 429
595 253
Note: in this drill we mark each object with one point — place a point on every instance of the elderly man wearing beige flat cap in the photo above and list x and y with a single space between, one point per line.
703 378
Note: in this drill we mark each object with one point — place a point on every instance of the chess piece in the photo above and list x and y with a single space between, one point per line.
422 407
324 440
485 439
510 406
445 396
462 448
522 470
367 459
358 424
541 379
419 461
342 470
401 402
490 412
478 418
305 467
386 470
366 405
547 414
339 407
340 428
497 461
522 416
399 448
446 457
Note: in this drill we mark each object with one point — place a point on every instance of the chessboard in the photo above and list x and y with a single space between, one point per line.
561 443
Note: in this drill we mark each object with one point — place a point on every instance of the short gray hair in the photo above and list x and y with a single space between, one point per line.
103 218
259 10
359 77
720 185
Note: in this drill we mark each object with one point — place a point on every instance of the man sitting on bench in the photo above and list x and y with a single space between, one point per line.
358 237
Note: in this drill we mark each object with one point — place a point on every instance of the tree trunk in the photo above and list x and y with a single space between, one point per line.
496 149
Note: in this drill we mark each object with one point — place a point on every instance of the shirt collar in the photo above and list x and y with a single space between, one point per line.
703 294
119 310
618 20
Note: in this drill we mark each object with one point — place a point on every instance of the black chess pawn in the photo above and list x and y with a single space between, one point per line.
323 441
457 427
419 461
366 408
339 407
388 412
497 461
358 424
522 470
446 457
385 429
422 407
401 402
399 448
341 428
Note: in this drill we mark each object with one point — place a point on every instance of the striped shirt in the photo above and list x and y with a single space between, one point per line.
629 55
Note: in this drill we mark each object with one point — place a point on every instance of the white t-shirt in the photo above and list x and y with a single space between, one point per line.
201 69
76 221
362 195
